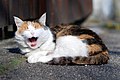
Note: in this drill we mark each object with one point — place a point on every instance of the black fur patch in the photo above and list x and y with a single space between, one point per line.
99 57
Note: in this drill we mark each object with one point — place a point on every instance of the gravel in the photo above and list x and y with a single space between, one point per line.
39 71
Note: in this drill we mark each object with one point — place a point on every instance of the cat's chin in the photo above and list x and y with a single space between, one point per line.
32 45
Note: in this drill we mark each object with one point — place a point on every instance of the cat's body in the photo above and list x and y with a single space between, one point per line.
71 45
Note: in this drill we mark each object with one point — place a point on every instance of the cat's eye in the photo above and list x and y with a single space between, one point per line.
27 27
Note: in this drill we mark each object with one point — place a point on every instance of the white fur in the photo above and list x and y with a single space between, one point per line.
66 46
42 34
18 21
44 40
47 47
21 44
43 19
71 46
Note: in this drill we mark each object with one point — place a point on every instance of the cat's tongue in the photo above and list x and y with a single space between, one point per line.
33 44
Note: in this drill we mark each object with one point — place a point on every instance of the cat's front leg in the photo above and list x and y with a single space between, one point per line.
37 56
37 51
24 50
28 54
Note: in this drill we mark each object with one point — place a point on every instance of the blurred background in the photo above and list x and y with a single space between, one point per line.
106 10
104 13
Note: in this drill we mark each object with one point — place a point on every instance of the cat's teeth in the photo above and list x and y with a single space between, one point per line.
33 39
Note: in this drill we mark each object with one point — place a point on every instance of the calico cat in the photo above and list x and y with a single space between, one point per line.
62 44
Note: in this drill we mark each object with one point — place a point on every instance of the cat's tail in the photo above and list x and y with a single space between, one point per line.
101 58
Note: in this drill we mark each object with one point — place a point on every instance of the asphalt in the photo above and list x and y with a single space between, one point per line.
39 71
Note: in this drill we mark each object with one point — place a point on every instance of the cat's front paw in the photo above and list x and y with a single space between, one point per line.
28 54
35 59
24 51
45 59
32 59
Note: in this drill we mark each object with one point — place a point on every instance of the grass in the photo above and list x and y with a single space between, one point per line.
112 25
13 63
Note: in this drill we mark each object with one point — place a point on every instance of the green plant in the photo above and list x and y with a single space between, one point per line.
112 25
13 63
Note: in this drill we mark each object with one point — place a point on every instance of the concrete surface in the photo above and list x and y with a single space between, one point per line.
38 71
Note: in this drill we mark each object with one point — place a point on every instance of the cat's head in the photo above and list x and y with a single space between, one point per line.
31 33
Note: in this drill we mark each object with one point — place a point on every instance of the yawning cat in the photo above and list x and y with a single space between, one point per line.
70 44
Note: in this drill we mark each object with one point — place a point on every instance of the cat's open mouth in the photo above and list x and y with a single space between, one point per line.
33 41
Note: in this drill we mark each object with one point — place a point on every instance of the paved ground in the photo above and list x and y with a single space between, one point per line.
14 67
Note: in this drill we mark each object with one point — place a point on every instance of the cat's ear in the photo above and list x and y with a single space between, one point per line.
42 19
18 21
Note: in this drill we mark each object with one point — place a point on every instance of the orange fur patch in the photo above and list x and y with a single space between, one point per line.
85 36
37 25
94 48
24 26
105 52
